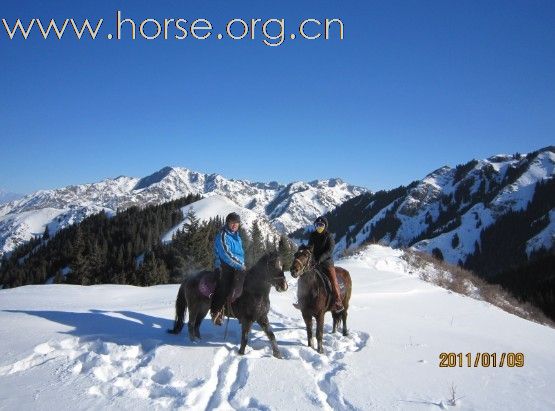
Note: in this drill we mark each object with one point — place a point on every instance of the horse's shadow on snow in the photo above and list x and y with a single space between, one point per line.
134 328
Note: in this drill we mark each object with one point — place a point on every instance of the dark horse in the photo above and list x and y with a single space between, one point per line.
314 297
252 305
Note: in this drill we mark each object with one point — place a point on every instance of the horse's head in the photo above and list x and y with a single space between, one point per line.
302 260
274 270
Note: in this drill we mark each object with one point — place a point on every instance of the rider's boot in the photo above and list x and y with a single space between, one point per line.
337 305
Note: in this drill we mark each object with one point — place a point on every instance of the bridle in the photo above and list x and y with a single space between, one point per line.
307 264
320 280
276 277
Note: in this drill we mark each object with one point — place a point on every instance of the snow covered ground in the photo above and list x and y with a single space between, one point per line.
71 347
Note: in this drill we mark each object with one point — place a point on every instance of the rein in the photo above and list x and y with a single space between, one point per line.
317 273
228 304
307 265
277 277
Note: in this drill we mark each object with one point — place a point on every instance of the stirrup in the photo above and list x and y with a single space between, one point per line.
217 318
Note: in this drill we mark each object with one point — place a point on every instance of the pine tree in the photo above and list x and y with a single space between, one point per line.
455 241
247 247
79 269
148 271
285 249
59 278
271 244
436 252
257 244
46 234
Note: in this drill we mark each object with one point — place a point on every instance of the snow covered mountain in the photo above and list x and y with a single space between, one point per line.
69 347
287 207
220 206
6 197
453 212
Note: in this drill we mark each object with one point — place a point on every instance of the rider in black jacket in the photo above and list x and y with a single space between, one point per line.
323 243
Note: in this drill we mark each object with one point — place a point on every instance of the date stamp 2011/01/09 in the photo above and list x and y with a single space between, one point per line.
481 359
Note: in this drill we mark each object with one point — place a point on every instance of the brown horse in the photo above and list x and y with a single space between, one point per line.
252 305
315 298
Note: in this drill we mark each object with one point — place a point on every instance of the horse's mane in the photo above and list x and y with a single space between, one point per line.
304 247
256 274
262 261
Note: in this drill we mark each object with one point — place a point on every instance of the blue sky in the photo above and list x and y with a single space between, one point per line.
413 86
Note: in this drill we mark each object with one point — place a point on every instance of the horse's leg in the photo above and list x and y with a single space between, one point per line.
198 322
320 330
308 321
335 322
191 324
344 318
265 324
245 330
203 310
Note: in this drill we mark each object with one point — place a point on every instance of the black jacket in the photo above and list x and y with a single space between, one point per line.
323 247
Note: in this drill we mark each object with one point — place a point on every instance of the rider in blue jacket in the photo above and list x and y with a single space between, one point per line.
229 261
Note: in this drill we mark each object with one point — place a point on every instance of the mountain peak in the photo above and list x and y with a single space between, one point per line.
286 207
330 182
548 148
154 178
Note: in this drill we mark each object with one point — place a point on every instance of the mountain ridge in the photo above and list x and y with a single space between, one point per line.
22 219
447 211
6 196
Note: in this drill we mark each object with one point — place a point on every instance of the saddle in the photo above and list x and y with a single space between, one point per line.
208 283
324 279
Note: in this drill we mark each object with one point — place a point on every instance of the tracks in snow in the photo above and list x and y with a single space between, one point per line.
322 368
128 370
228 376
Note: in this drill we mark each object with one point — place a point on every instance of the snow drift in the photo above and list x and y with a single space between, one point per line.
73 347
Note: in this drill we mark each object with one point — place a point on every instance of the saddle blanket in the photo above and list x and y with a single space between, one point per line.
209 281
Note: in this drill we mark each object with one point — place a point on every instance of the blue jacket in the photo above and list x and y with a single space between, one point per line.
228 248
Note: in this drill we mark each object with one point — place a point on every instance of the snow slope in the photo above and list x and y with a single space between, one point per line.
545 239
28 224
97 347
453 202
219 206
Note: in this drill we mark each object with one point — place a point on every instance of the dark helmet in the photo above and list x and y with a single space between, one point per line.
321 220
233 218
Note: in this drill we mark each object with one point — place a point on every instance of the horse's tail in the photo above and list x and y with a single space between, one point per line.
180 310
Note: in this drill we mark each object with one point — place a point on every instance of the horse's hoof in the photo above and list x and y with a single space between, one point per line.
277 354
345 334
320 350
241 352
